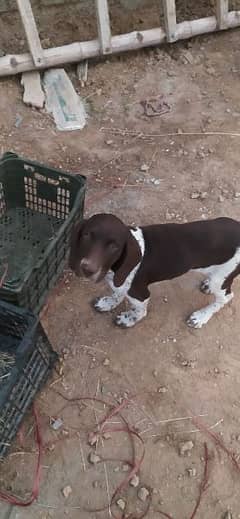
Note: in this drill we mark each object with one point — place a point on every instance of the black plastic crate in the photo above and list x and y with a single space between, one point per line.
38 207
26 360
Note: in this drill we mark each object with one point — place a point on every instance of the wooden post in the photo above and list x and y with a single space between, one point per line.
170 19
104 31
31 32
222 12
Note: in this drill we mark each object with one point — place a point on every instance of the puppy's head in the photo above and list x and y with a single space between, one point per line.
96 245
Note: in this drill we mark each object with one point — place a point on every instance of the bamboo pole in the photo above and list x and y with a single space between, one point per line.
104 31
75 52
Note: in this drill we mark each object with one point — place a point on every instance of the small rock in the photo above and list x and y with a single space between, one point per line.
144 167
66 491
93 458
195 195
169 216
199 195
211 71
134 482
225 192
46 42
237 194
171 73
188 57
121 504
221 198
125 467
106 436
116 469
143 494
57 424
106 362
18 120
109 142
179 130
95 484
192 472
162 389
155 373
165 299
186 447
92 438
201 154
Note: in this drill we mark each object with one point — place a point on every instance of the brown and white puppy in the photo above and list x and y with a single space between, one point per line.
130 260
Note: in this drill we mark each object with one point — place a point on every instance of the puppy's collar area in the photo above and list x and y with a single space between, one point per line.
137 234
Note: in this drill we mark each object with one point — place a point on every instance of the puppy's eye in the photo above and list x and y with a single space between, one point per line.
87 235
113 246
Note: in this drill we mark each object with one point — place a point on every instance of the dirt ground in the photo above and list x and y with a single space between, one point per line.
168 371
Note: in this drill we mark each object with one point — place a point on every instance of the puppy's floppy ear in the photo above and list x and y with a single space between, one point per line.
131 256
74 242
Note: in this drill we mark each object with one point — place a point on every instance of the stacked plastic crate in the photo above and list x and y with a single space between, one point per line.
38 207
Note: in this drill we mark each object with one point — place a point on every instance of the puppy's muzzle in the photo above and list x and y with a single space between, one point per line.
90 270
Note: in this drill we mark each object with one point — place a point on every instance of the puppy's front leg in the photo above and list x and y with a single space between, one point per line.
108 303
138 300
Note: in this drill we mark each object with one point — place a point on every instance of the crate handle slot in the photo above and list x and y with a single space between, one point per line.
40 177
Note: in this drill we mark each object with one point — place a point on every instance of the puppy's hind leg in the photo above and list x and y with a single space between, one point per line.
201 317
220 285
205 286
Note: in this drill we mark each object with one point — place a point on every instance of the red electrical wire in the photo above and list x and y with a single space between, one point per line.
14 500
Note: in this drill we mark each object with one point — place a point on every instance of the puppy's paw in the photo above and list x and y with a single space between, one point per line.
126 319
205 286
105 304
197 319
